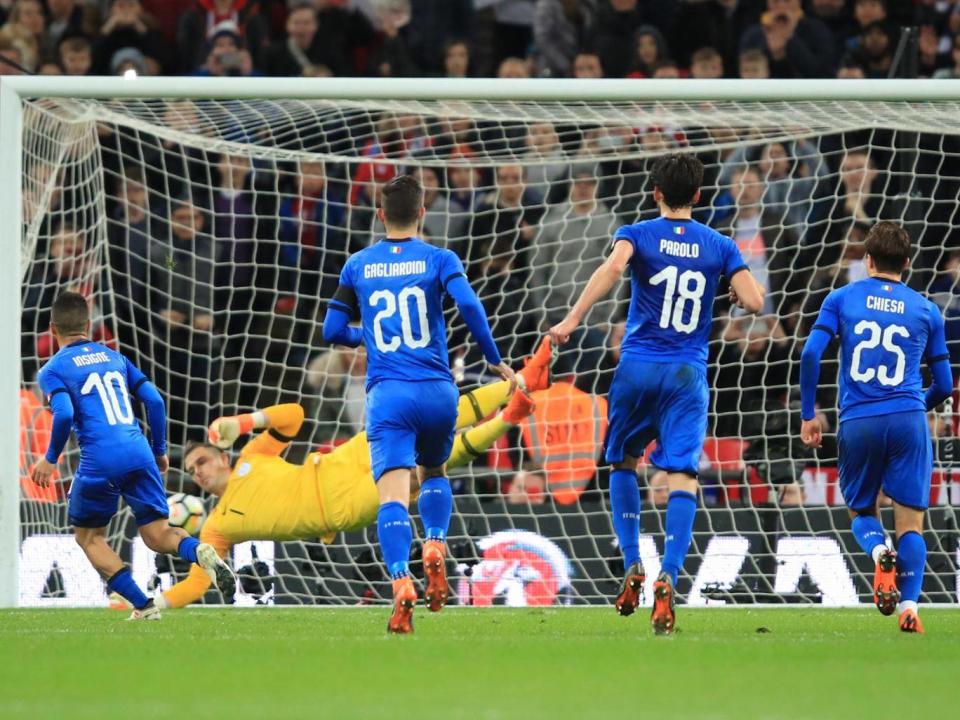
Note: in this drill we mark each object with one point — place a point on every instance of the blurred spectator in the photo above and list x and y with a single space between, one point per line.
954 70
434 27
68 18
127 27
444 223
27 20
49 68
560 28
527 488
387 143
753 65
867 12
456 59
836 17
226 56
76 55
302 52
513 68
797 46
587 65
651 48
550 161
713 23
945 292
666 69
850 69
337 376
875 53
389 57
512 27
129 231
706 64
197 27
13 50
614 32
463 179
128 58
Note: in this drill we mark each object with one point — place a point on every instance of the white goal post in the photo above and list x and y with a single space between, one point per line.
891 100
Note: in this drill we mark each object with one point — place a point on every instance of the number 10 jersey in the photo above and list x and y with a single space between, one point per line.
675 269
886 330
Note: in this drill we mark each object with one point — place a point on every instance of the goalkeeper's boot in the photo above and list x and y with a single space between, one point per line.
629 598
885 592
519 408
218 571
149 612
404 600
910 622
435 572
536 368
662 618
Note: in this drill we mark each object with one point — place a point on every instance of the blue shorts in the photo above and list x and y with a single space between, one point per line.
410 424
93 499
892 452
666 402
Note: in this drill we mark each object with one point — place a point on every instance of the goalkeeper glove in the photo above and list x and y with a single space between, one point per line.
224 431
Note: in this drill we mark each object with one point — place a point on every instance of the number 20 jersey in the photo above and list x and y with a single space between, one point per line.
675 269
100 382
886 330
399 286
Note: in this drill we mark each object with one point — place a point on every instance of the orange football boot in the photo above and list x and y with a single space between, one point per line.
910 622
885 593
435 573
519 408
404 599
663 618
536 368
629 598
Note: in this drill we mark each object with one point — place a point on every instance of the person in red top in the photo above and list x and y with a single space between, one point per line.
196 27
388 143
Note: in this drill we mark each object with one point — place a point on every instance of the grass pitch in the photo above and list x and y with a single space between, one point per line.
471 663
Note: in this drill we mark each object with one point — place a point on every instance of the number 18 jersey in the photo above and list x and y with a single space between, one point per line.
399 286
886 330
675 269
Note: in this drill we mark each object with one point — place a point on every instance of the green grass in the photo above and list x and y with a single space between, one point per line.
471 663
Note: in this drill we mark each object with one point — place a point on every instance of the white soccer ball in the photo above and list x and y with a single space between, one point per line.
187 512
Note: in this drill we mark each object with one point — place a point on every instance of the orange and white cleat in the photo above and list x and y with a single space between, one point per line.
149 612
910 622
536 368
404 600
435 574
662 618
629 598
885 592
520 407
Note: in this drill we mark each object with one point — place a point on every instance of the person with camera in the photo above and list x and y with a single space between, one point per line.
797 46
227 56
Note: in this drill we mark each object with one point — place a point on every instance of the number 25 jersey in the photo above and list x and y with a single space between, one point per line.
886 330
675 269
399 286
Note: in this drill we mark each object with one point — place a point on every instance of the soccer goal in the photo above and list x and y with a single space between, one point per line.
207 220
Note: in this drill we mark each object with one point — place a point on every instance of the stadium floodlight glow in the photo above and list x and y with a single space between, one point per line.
58 167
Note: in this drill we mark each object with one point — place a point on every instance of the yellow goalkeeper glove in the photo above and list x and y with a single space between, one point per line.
224 431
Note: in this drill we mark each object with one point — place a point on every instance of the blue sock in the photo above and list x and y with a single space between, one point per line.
435 505
869 533
122 582
395 533
911 561
625 506
681 508
187 549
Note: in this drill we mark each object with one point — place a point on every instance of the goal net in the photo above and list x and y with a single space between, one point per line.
207 235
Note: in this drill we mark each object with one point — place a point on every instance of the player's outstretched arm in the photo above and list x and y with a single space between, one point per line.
811 432
746 292
62 407
938 360
471 309
598 287
284 421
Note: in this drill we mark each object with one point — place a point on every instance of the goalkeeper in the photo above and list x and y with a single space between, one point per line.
263 497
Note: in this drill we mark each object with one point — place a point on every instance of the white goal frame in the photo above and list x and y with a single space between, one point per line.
14 89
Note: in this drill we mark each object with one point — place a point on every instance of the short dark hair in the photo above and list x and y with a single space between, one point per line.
401 200
888 243
70 313
678 176
198 445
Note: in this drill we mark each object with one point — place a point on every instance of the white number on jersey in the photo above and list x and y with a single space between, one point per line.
391 301
878 337
691 286
114 397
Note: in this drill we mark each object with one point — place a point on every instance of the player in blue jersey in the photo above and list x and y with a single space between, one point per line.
886 331
659 390
397 287
88 387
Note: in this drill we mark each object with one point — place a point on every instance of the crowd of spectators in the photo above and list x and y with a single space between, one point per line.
218 263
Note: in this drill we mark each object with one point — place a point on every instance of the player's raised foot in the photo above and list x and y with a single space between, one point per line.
435 573
149 612
536 368
519 408
662 618
885 592
910 622
404 600
219 572
629 598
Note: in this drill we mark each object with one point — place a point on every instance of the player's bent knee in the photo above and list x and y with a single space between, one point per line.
425 472
682 481
394 486
628 463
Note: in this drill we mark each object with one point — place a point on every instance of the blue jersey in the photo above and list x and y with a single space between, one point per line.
675 268
99 382
399 287
886 330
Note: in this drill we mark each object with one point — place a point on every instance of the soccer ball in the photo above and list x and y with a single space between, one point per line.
187 512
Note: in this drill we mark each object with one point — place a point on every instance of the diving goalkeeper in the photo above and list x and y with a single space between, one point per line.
263 497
